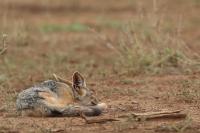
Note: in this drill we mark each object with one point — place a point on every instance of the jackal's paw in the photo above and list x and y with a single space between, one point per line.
102 106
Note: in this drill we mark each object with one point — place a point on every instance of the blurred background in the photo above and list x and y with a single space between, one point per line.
102 38
127 36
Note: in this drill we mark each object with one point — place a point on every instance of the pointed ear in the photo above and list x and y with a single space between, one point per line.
78 80
59 79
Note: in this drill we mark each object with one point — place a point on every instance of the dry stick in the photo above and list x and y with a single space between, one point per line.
3 50
173 115
157 115
97 120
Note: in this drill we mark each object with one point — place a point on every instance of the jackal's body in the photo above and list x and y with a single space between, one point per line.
53 98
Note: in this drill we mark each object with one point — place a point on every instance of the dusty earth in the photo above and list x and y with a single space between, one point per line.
38 45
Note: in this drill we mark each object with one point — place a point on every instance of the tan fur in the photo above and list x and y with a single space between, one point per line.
82 92
63 98
54 101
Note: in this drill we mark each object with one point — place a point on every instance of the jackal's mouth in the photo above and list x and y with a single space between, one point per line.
94 100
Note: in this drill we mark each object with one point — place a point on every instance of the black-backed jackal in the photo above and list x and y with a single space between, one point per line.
59 98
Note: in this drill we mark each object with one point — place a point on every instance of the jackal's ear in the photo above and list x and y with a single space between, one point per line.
59 79
78 80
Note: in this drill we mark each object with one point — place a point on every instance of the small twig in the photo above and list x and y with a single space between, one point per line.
2 51
156 113
167 116
97 120
4 48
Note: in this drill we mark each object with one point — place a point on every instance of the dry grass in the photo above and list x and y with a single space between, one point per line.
148 46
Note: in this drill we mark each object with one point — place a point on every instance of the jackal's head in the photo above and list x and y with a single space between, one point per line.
81 92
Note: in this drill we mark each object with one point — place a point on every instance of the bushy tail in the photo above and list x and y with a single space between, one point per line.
86 110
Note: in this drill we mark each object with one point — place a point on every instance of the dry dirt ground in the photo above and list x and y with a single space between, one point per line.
65 36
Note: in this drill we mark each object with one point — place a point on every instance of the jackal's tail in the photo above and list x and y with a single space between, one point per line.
86 110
